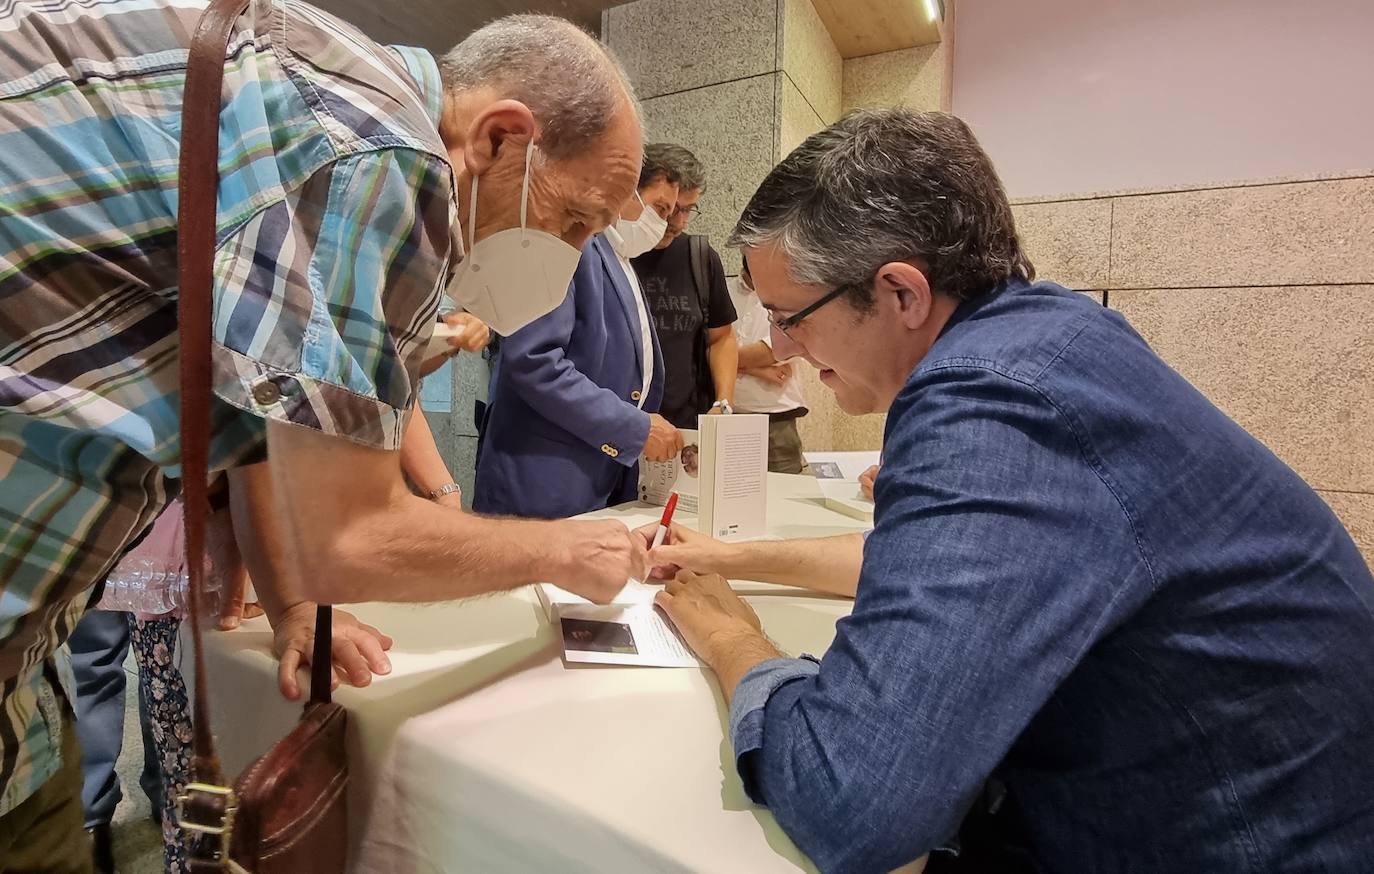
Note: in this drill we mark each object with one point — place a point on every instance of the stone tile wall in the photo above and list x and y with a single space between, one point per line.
1261 294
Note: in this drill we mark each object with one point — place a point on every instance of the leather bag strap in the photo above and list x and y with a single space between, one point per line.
197 183
208 805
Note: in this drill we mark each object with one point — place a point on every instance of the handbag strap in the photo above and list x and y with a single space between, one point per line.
208 804
197 182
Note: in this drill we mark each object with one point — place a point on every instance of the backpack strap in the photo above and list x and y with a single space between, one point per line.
697 250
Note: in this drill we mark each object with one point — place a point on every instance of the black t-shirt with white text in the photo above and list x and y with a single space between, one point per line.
675 306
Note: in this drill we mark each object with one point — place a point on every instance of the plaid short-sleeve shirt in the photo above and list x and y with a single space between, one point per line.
335 219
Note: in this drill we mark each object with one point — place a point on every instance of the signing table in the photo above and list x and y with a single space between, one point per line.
482 752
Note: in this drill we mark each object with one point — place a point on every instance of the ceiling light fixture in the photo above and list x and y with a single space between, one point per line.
932 10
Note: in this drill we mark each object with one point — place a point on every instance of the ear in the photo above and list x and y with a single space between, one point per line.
904 288
500 125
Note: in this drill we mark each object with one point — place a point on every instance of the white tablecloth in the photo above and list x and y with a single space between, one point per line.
482 752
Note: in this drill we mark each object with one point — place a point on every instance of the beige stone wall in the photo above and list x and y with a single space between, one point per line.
906 77
739 82
1261 294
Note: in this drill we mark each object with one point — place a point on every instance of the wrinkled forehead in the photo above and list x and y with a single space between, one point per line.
597 185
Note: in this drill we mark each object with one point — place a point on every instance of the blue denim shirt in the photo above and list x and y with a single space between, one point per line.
1086 582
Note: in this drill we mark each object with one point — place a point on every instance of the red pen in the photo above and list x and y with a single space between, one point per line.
662 533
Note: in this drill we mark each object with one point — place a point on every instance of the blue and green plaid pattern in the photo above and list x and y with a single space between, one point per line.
335 235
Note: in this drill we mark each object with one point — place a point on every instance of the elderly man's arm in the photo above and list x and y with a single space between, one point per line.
972 608
364 536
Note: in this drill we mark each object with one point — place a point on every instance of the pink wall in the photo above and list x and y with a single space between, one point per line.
1076 96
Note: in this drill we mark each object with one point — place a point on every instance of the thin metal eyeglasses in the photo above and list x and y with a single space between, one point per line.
789 322
688 212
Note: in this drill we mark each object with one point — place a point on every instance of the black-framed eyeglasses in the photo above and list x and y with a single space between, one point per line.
688 212
789 322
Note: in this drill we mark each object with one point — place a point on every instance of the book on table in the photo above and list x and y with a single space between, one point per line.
847 497
721 476
837 474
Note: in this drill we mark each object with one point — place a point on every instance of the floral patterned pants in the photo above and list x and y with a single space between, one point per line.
154 643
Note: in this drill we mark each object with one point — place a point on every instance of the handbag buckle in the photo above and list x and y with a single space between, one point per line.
225 830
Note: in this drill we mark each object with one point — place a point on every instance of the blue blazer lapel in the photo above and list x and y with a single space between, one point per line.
621 283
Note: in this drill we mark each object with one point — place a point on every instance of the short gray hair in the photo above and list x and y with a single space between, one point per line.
674 163
572 83
888 185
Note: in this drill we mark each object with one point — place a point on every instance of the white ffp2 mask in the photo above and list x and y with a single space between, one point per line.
514 276
630 239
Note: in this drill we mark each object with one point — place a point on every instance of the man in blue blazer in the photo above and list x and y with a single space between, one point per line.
574 395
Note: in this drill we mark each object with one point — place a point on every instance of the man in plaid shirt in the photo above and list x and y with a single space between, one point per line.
347 172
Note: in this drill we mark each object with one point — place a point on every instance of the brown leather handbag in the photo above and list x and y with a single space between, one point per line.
287 812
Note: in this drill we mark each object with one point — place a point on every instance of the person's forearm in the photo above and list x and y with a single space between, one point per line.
391 544
258 532
756 356
732 654
723 355
825 564
420 457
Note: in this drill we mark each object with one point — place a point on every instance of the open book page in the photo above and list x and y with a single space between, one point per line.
628 631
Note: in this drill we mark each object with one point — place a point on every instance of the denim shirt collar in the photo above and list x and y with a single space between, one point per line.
968 307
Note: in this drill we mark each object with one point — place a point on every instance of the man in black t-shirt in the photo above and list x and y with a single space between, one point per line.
684 285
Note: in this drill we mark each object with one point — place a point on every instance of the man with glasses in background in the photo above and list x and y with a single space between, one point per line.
766 385
684 284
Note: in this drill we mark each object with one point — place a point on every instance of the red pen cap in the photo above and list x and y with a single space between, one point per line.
668 509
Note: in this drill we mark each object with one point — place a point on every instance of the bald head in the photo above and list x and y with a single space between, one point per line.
572 84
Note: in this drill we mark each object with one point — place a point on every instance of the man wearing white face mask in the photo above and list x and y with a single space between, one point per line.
574 395
359 176
544 139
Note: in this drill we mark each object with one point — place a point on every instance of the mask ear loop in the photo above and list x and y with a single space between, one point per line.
472 218
525 188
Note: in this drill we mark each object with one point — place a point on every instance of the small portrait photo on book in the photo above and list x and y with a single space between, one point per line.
590 635
826 470
691 460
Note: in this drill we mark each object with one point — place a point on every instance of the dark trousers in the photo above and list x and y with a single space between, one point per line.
784 447
98 645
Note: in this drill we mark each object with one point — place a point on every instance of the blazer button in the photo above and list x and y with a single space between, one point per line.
634 395
615 452
606 448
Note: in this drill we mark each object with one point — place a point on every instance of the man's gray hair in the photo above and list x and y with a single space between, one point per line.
888 185
672 162
572 83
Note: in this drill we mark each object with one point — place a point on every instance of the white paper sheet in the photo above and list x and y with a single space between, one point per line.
628 631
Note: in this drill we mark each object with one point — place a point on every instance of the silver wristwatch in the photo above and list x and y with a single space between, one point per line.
446 489
724 406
